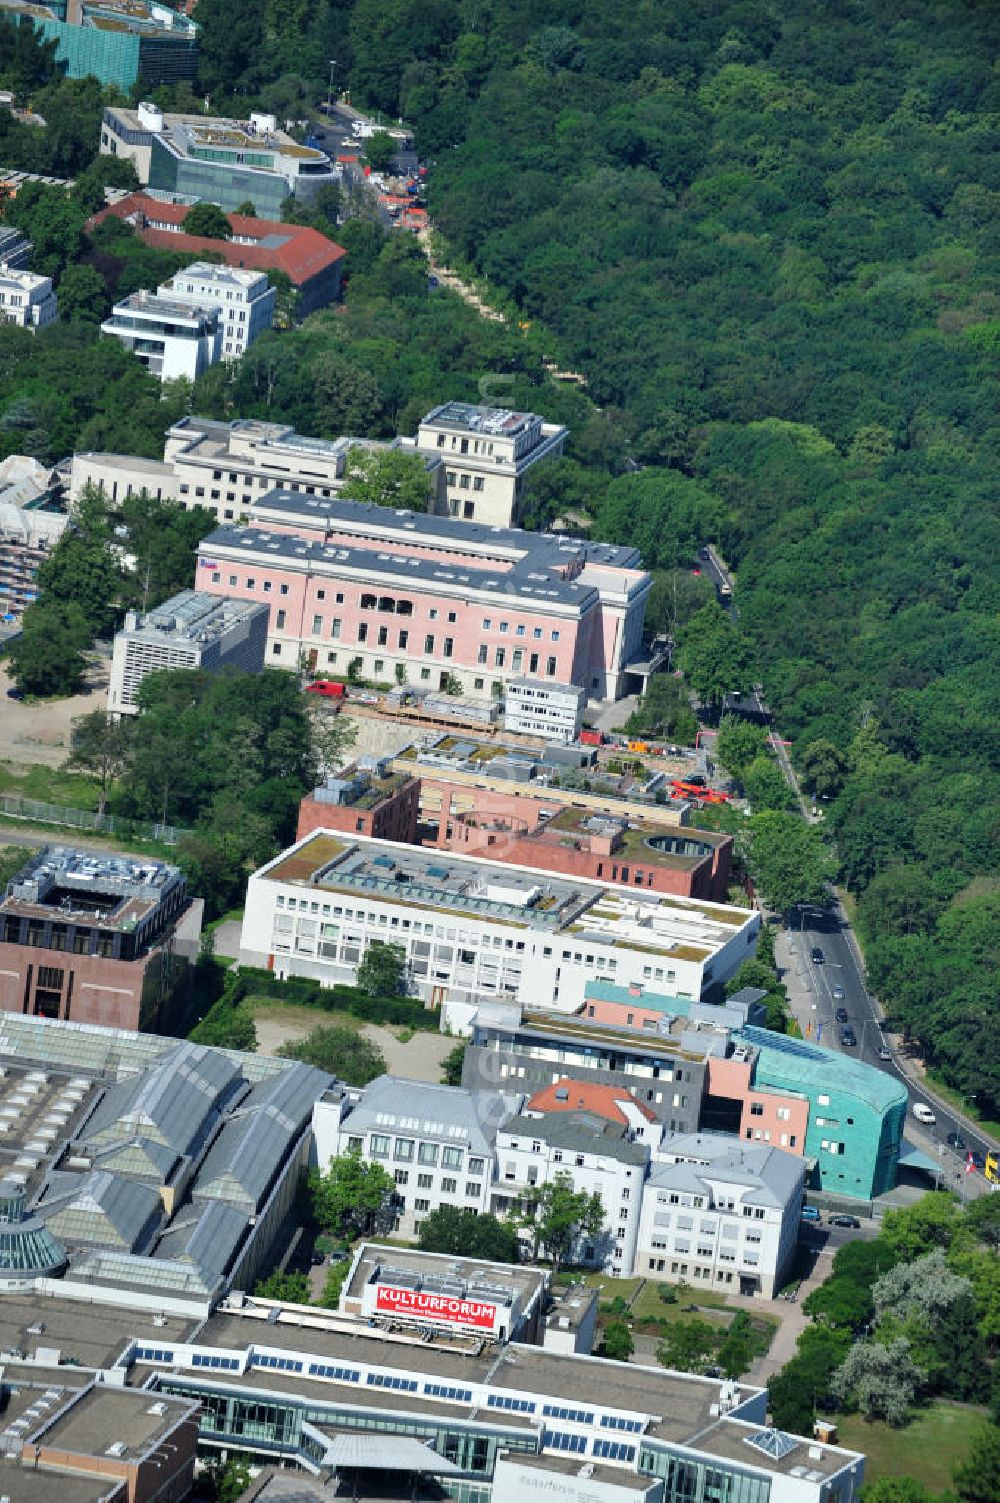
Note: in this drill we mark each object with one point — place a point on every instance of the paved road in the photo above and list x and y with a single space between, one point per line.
842 968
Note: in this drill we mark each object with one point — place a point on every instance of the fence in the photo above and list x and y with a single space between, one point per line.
15 807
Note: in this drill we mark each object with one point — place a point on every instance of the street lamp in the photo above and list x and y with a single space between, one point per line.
329 91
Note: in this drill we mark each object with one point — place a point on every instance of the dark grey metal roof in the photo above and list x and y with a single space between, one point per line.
172 1103
243 1160
207 1236
104 1209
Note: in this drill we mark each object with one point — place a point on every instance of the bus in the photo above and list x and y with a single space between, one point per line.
992 1169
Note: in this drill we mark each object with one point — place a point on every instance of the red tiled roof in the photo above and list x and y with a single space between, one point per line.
303 252
581 1095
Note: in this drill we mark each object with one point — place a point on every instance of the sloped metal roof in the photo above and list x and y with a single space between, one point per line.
449 1114
170 1103
206 1236
292 1094
101 1208
244 1159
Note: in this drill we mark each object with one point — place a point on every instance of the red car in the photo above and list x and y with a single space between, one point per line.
328 687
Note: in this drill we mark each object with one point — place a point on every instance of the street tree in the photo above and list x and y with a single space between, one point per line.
561 1218
351 1197
788 860
209 221
102 747
765 784
342 1052
823 769
714 656
738 744
83 295
388 477
380 148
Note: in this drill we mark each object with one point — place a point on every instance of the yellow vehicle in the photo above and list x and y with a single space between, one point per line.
992 1170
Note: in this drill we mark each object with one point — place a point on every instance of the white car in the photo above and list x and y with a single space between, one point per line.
924 1114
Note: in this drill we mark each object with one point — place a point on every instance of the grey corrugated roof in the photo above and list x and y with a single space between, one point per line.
446 1113
78 1211
292 1093
207 1236
581 1132
244 1158
172 1102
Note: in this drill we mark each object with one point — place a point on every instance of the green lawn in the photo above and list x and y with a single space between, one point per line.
963 1104
50 785
927 1448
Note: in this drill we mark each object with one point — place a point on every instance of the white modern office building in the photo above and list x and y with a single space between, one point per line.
245 300
720 1214
472 927
173 340
26 299
533 707
190 630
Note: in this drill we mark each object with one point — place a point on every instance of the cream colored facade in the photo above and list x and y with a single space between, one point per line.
486 452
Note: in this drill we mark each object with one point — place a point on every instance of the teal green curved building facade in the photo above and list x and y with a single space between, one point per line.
856 1112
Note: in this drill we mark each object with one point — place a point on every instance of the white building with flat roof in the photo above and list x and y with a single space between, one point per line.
245 300
487 453
26 299
190 630
534 708
472 927
173 340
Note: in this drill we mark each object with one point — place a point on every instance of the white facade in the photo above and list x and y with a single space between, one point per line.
536 708
191 630
598 1159
173 340
26 299
479 927
487 452
436 1141
720 1215
245 300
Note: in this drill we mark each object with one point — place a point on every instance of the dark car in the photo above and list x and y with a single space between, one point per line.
316 1259
851 1221
841 1014
15 693
817 955
848 1038
977 1159
955 1140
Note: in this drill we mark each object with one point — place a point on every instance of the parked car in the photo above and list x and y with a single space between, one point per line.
885 1052
851 1221
810 1213
838 993
368 699
15 693
817 956
956 1141
923 1113
329 688
841 1015
848 1038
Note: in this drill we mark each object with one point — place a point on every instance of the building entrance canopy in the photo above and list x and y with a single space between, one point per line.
385 1453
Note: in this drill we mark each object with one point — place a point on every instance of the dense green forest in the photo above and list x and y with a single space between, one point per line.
769 238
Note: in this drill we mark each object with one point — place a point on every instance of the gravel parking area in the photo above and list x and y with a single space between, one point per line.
40 733
419 1059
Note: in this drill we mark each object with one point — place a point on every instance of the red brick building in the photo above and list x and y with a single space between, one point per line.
310 261
96 939
524 831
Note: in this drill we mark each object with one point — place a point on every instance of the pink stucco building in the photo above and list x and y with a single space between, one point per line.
439 598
